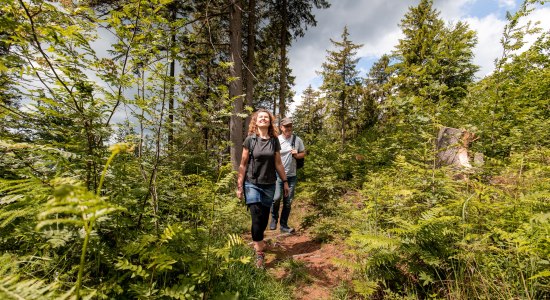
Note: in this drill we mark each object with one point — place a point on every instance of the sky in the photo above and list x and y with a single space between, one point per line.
374 24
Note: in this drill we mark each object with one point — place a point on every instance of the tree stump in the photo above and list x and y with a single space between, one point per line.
452 147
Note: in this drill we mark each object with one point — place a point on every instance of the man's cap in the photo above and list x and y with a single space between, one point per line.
286 121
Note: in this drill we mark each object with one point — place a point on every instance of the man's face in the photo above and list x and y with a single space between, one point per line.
286 130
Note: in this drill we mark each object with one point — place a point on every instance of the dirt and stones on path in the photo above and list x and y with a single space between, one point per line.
319 259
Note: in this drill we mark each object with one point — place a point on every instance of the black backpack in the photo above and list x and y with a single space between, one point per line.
299 161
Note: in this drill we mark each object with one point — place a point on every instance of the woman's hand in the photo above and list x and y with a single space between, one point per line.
240 192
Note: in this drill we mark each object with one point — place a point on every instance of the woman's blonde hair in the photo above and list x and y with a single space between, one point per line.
272 130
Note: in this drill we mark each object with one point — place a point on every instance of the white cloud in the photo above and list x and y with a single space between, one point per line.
540 15
489 30
374 24
507 3
451 10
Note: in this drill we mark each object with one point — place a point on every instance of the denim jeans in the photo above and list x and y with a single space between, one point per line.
287 201
259 193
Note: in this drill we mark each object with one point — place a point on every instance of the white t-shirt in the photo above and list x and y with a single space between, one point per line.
288 161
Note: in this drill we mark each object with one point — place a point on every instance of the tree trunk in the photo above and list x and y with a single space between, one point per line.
171 100
343 118
171 91
250 58
282 59
452 147
235 86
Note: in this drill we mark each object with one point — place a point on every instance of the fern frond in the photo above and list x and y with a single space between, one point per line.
369 242
11 146
225 182
234 240
161 262
432 213
10 199
14 286
73 204
21 198
141 246
124 264
182 291
169 233
543 218
18 187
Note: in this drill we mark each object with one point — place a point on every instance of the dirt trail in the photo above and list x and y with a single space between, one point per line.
319 259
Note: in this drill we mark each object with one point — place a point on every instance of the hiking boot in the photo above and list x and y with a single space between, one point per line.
260 258
273 224
287 229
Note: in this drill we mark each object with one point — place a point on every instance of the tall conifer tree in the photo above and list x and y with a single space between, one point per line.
236 86
434 62
308 115
340 81
423 30
291 19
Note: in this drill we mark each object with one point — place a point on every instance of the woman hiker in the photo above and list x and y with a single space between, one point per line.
260 163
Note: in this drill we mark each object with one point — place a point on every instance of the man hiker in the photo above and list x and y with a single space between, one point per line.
292 148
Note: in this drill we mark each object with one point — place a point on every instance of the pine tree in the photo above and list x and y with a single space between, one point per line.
376 91
308 116
290 19
268 88
341 82
434 62
423 32
455 56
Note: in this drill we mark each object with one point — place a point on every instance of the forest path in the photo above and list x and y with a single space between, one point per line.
320 273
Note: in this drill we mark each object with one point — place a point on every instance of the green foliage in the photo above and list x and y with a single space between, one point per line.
434 62
12 286
327 185
247 281
72 204
185 259
343 291
341 87
308 116
416 238
415 232
160 220
296 272
516 99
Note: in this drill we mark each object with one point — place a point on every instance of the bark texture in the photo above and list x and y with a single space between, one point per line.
452 147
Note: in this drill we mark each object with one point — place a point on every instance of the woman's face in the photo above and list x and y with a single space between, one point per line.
263 120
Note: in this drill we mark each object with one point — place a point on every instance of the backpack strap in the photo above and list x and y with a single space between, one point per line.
251 154
293 141
251 147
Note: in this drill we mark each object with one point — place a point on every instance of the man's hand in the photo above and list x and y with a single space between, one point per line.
286 189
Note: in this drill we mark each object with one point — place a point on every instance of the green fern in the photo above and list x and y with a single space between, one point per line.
21 198
14 286
182 291
136 270
73 204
